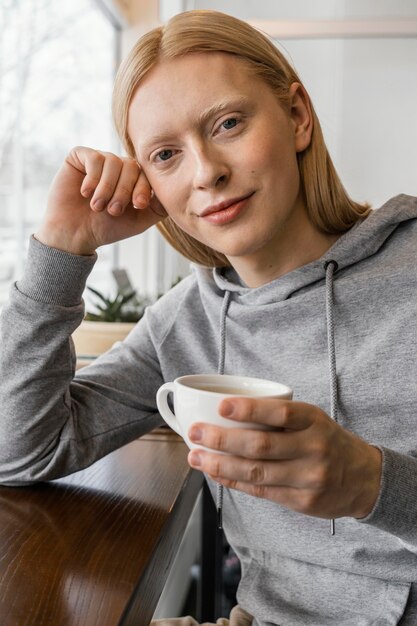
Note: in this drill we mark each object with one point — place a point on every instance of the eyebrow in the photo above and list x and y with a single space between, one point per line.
202 119
219 107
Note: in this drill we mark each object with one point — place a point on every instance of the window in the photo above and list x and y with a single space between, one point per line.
57 65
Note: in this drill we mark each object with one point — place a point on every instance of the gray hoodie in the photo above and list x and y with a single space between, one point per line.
294 573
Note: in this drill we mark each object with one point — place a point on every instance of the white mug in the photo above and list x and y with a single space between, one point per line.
196 398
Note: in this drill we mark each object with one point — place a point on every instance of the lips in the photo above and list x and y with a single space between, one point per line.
221 206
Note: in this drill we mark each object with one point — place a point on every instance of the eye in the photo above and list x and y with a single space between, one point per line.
164 155
230 123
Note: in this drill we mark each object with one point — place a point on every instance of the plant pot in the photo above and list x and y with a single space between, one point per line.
93 338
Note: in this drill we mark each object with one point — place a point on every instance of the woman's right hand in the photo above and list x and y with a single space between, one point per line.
97 198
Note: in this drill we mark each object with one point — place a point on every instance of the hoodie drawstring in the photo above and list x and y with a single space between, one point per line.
220 370
331 267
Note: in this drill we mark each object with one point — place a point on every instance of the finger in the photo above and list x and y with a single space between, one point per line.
122 196
142 192
249 443
272 412
300 500
92 163
270 492
254 472
111 169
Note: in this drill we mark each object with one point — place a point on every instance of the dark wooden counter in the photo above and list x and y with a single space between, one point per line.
95 548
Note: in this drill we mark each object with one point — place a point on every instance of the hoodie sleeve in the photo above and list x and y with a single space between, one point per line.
54 422
395 510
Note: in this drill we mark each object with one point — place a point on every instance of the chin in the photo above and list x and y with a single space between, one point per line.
242 248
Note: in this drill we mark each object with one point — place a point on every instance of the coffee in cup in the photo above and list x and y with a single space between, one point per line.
196 398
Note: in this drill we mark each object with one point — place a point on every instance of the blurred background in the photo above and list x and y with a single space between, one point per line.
357 58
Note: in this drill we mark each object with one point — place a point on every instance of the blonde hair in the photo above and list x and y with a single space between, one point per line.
328 205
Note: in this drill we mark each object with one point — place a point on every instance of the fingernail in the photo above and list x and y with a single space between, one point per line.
227 408
195 434
195 459
115 208
141 202
99 205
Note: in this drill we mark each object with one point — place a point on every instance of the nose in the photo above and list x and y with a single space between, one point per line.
210 167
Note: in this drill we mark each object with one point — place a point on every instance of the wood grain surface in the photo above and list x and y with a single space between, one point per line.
95 548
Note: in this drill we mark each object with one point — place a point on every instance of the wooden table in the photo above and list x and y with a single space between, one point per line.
95 548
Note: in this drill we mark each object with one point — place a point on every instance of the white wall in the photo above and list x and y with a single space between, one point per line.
306 9
378 126
365 93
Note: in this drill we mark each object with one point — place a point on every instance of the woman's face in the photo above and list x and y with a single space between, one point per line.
220 152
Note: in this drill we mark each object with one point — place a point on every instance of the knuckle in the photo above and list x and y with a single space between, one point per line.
124 191
133 169
226 482
106 156
130 162
97 157
259 491
286 414
308 502
217 440
105 188
250 406
320 477
319 449
215 468
113 159
76 149
260 445
92 179
256 473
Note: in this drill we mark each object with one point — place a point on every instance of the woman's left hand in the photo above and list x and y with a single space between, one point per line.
309 463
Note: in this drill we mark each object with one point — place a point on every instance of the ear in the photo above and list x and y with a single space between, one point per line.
301 116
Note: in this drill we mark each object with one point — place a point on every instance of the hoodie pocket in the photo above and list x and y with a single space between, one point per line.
293 593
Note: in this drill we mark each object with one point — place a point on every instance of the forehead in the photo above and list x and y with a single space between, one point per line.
195 69
179 90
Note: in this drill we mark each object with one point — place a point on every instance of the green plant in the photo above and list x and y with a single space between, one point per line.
123 307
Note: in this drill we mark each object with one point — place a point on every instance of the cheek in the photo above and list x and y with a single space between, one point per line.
268 161
169 192
279 164
250 156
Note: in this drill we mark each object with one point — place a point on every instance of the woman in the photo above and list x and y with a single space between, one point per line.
308 288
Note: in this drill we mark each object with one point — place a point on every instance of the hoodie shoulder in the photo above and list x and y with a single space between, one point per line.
400 207
369 235
187 297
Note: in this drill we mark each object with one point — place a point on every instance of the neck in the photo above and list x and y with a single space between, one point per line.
297 244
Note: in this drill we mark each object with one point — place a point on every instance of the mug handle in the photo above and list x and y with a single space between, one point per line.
163 407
